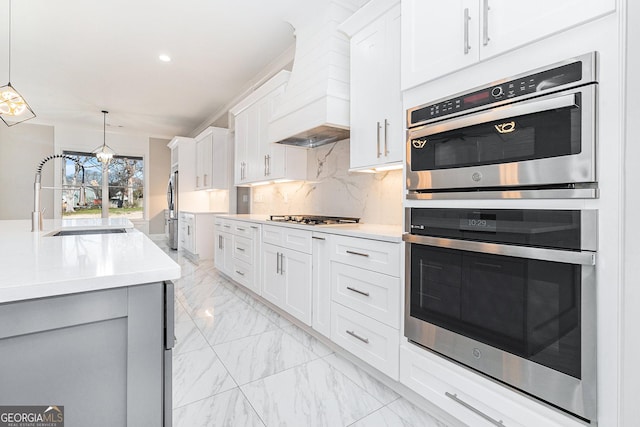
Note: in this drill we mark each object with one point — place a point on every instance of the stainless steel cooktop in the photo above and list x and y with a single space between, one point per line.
314 219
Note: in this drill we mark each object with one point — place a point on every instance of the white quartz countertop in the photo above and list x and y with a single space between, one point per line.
37 265
388 233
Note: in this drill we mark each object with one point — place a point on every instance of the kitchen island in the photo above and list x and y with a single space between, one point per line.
86 321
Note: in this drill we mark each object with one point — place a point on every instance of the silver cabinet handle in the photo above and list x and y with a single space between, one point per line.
353 334
386 142
239 249
366 294
282 264
226 226
221 242
240 229
265 165
485 23
188 230
456 399
278 263
197 181
467 18
378 136
255 227
240 273
268 164
318 238
358 253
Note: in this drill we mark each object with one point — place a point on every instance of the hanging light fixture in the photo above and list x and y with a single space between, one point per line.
13 108
104 153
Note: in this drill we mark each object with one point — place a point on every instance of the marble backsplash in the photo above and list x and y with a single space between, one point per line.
332 190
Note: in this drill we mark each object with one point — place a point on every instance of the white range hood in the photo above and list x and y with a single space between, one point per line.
314 109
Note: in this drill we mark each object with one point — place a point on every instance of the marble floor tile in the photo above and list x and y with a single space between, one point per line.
228 326
228 409
259 356
222 302
198 374
414 416
181 314
308 340
378 390
188 337
269 313
383 417
312 394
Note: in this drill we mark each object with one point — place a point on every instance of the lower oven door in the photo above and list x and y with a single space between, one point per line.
524 316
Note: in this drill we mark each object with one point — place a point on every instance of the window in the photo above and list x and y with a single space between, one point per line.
126 187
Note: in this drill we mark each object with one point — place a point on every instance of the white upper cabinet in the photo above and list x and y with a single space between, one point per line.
256 159
441 37
212 159
377 126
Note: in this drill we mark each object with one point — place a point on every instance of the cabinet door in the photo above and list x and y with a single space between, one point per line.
223 252
507 24
394 126
321 284
296 271
199 164
220 159
207 162
367 89
434 38
272 280
241 144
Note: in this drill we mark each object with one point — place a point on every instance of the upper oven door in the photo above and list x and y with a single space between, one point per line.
544 141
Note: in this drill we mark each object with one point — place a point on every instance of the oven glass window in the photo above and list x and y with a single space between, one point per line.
540 135
526 307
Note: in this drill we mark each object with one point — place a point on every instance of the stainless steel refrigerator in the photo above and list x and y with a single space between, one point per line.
172 202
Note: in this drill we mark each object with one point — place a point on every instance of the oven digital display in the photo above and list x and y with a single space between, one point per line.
475 98
482 222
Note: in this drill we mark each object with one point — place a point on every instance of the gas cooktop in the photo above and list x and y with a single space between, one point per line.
314 219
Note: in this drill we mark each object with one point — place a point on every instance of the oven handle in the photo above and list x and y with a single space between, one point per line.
557 255
508 111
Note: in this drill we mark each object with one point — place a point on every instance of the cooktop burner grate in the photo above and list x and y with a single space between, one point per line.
314 219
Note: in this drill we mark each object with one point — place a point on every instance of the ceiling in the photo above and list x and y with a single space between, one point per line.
70 59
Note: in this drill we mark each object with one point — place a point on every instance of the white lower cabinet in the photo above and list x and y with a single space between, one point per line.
321 283
365 295
472 399
287 280
196 234
237 251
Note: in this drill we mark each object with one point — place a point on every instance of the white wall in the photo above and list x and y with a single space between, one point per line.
22 147
332 190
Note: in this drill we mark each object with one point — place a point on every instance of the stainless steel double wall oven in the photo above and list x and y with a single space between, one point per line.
508 292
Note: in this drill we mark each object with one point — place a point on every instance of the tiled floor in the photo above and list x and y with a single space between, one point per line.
239 363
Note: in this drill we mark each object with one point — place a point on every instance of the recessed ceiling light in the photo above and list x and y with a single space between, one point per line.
164 58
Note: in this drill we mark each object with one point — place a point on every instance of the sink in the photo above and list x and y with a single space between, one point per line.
88 231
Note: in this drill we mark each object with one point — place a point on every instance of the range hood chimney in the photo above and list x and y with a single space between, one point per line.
314 109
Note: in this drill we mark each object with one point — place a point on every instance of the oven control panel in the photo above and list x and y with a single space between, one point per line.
497 92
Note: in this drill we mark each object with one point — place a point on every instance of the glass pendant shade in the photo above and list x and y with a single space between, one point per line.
104 153
13 108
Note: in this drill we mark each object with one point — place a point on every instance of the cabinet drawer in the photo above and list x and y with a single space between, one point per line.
447 385
242 249
383 257
372 341
241 229
373 294
223 224
242 273
292 238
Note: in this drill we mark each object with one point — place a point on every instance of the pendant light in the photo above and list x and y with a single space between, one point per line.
104 153
13 108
